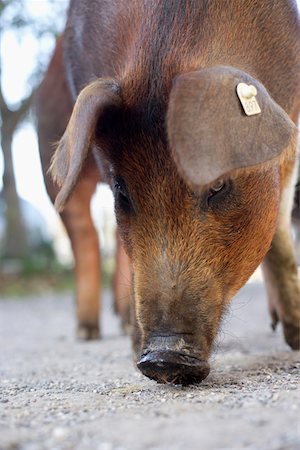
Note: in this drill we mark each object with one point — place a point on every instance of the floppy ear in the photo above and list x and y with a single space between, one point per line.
209 132
79 136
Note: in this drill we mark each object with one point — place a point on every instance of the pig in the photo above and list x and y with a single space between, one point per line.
188 110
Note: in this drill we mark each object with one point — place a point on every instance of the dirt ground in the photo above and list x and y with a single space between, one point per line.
59 394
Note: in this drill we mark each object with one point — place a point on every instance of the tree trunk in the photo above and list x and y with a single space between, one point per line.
15 240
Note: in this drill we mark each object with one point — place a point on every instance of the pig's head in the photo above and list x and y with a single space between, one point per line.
196 198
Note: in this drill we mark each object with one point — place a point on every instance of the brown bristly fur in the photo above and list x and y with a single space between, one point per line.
188 257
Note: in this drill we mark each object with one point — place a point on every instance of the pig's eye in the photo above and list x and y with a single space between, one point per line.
217 187
217 193
121 195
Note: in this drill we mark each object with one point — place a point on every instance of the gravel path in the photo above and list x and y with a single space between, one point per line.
59 394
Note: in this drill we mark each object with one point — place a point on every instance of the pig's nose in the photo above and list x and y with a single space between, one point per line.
173 367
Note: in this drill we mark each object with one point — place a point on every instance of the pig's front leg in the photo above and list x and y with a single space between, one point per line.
280 271
122 286
78 221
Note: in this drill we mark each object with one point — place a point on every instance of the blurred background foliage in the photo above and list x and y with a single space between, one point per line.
24 250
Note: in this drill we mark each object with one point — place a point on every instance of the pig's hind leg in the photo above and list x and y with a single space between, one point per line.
280 271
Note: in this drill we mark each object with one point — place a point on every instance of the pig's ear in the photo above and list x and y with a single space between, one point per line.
210 133
79 136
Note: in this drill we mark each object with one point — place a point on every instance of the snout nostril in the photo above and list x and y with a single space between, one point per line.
173 367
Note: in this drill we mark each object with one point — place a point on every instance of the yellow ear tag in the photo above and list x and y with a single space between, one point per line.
247 95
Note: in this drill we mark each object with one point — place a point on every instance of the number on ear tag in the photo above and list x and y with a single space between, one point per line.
247 95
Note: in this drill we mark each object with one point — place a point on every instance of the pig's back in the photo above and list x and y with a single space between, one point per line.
148 42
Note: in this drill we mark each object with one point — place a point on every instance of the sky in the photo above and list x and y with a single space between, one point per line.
18 57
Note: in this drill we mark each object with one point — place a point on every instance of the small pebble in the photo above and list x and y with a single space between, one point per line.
60 433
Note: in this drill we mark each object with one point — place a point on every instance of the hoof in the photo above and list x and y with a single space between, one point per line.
88 332
292 335
274 320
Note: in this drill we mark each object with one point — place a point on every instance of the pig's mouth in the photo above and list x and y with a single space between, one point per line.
165 366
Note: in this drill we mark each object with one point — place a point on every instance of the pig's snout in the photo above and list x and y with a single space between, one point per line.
173 367
170 365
